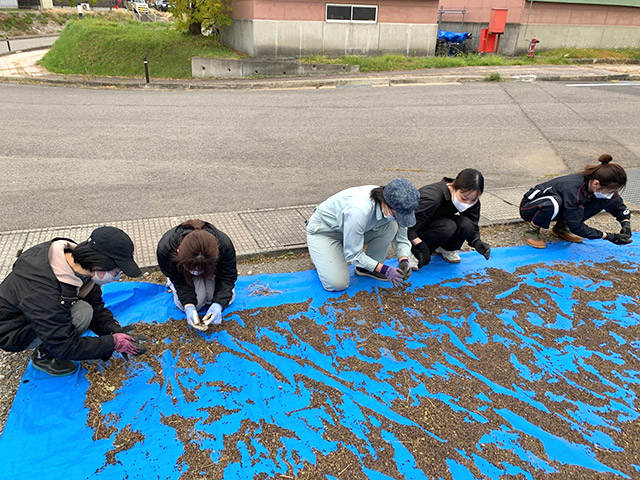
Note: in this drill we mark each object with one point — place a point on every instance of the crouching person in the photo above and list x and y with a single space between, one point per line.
370 215
53 295
199 262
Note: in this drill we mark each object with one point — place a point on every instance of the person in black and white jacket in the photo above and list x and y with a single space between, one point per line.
572 199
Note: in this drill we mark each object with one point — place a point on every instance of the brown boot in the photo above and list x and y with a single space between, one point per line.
532 236
562 230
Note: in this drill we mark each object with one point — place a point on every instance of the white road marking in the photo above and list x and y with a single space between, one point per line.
616 84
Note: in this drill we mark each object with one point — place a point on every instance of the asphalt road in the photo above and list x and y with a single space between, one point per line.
73 156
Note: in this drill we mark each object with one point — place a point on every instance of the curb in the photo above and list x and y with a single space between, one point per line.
311 82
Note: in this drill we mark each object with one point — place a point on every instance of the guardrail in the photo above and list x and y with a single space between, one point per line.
29 42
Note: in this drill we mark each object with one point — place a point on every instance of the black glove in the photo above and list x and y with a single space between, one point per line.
626 229
140 343
482 248
618 238
121 329
422 253
405 269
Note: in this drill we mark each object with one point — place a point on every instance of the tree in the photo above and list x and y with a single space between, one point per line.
195 15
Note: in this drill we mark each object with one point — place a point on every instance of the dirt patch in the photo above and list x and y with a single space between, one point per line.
489 375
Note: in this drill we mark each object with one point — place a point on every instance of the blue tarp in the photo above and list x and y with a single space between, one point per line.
46 435
453 37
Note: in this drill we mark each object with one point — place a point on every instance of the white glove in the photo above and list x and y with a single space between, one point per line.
214 315
192 318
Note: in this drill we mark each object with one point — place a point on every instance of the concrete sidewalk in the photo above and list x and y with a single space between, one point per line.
21 68
254 232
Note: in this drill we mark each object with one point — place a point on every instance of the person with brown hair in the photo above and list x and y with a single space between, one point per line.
572 199
200 264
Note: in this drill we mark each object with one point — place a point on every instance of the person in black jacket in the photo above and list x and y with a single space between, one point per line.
53 295
447 215
572 199
200 264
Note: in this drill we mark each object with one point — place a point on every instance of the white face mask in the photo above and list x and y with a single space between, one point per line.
102 278
603 195
195 273
460 206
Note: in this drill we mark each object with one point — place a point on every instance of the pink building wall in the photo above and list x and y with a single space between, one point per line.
572 14
389 11
478 11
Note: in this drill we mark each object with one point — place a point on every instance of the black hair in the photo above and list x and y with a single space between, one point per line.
376 195
469 180
608 174
89 259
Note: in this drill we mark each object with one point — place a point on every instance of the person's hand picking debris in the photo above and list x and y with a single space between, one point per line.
128 344
405 269
482 248
193 319
213 316
394 275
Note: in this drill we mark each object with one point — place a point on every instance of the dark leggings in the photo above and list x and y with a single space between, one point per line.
541 211
447 232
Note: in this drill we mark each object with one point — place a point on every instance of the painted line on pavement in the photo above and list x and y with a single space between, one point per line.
617 84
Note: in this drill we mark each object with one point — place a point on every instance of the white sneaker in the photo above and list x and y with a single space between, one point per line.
413 262
451 257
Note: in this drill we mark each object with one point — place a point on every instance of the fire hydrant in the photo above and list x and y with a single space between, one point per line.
532 46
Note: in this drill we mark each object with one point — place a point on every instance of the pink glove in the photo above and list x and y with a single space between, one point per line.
125 344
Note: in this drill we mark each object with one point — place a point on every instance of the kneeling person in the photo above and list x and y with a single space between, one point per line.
53 295
199 262
376 216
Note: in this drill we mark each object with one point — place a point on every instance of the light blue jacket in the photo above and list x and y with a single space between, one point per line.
353 213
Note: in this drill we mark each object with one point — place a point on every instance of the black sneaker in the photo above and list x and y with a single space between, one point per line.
363 272
44 361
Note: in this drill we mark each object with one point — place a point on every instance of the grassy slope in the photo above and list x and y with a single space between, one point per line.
96 47
15 23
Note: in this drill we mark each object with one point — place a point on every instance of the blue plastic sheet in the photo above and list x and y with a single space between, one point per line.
453 37
46 435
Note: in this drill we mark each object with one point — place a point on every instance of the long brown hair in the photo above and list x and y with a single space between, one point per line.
608 174
198 250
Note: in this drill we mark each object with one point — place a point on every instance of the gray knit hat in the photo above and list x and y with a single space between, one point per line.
403 198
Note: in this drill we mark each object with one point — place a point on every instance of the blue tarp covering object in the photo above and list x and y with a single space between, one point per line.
522 366
452 37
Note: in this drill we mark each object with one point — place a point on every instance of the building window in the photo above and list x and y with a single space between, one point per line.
351 13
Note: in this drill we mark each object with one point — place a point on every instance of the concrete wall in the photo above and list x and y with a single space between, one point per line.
250 67
8 3
554 36
508 41
239 36
296 38
580 36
